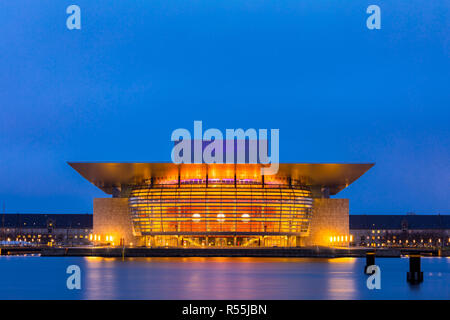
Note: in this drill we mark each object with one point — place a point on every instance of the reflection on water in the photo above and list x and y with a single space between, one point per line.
341 285
217 278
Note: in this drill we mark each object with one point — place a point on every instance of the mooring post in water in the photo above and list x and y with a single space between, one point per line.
122 242
370 260
415 275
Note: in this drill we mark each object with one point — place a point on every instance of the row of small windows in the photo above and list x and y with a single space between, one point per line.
381 241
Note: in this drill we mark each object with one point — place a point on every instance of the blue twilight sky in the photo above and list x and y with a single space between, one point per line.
137 70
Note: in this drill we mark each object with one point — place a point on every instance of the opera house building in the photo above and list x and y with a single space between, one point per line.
219 205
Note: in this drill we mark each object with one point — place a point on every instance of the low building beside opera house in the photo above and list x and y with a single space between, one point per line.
204 205
37 229
408 230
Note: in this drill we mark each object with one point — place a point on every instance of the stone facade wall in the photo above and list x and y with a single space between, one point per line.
330 218
111 217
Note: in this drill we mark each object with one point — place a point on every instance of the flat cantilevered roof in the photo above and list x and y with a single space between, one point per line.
110 175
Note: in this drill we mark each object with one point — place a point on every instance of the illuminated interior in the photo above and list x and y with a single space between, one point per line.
220 213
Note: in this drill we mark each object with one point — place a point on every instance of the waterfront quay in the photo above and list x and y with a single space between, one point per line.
302 252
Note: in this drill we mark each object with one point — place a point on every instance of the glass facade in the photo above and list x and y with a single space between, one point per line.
220 213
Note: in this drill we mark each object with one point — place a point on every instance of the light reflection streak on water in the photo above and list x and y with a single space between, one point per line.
218 278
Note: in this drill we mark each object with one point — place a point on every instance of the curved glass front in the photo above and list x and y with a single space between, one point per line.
220 209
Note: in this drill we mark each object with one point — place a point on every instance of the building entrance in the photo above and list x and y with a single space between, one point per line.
220 241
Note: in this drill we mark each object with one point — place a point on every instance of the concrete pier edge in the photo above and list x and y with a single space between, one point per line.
306 252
